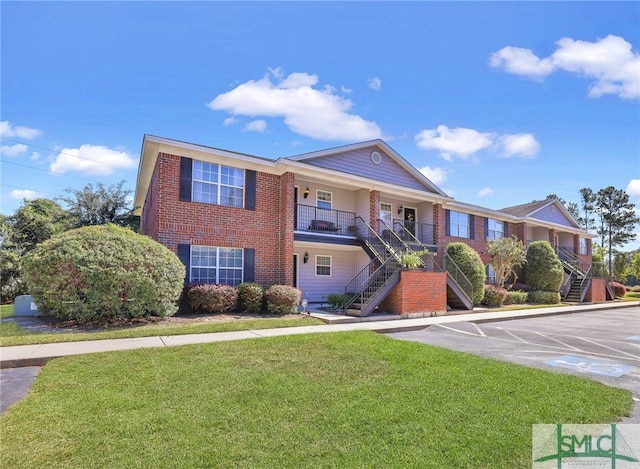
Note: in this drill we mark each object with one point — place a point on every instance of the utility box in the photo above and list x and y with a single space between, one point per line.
25 306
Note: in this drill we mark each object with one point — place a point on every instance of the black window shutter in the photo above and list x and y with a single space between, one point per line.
472 226
250 189
186 171
506 229
249 264
447 222
184 254
486 228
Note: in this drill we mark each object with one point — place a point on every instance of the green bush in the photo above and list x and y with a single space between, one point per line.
544 270
216 299
102 274
635 289
494 295
619 290
544 297
250 297
337 301
515 298
471 265
282 299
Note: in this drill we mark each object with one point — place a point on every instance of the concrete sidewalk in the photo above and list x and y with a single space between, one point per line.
36 355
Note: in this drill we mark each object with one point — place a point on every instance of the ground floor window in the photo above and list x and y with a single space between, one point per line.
323 266
584 250
491 274
216 265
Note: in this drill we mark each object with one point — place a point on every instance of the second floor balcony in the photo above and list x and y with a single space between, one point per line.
324 221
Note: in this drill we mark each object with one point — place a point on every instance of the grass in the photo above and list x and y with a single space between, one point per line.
6 311
12 334
336 400
633 296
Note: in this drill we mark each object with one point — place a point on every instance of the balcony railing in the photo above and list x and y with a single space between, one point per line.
324 221
422 231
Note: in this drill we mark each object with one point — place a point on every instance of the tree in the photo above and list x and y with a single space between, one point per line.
100 206
619 266
587 200
617 219
544 270
506 254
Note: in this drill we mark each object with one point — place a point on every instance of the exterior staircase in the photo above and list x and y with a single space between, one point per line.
579 276
372 285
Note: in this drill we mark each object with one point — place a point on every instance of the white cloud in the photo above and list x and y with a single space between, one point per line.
485 191
229 121
610 61
13 150
374 83
435 175
8 130
256 126
523 145
92 160
24 194
633 188
35 156
459 141
309 111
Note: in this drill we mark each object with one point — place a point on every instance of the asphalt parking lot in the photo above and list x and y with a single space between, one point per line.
599 345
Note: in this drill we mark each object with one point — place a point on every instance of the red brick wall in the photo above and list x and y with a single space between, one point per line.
374 210
418 292
597 292
268 229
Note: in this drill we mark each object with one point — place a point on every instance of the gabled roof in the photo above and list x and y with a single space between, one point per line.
546 210
317 157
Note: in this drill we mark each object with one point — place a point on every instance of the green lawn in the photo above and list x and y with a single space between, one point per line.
635 296
6 311
336 400
12 334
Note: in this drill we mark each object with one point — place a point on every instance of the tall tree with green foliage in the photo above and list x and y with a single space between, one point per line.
617 220
506 254
587 205
101 206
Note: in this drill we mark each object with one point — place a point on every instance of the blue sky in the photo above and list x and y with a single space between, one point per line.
497 103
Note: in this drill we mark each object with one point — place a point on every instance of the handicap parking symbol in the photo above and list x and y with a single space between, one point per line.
587 365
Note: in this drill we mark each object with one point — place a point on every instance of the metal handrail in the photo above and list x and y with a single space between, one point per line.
325 221
584 284
362 282
458 275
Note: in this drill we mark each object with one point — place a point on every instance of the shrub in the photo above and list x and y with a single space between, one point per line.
338 301
544 270
471 265
619 290
544 297
216 299
522 287
250 297
635 288
282 299
103 273
493 295
515 298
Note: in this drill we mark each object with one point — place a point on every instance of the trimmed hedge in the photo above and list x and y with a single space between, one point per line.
543 270
544 297
494 295
217 299
250 297
282 299
619 290
515 298
337 301
103 273
468 260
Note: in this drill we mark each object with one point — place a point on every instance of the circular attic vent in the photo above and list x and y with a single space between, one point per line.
376 157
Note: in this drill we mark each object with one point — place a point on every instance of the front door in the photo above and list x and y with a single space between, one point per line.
295 271
410 220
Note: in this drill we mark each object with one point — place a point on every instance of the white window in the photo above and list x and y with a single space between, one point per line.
583 246
459 224
491 274
217 184
220 266
386 213
323 266
323 200
495 229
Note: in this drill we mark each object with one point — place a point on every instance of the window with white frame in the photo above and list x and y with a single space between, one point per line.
491 274
323 200
584 249
459 224
217 184
323 266
495 229
386 214
216 265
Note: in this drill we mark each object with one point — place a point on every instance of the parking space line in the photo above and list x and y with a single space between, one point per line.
457 330
556 340
519 339
478 329
606 346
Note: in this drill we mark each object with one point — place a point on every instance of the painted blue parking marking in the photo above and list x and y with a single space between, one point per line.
587 365
634 337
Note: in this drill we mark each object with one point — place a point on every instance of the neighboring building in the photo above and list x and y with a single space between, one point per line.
326 221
